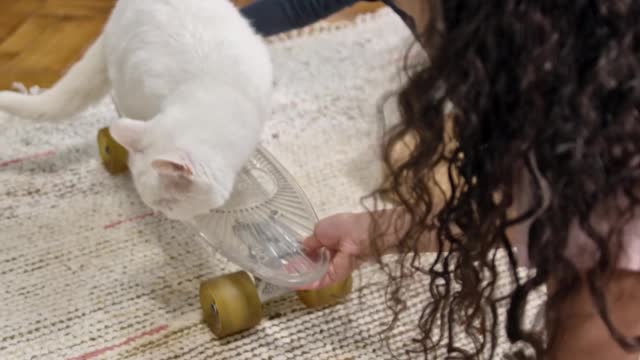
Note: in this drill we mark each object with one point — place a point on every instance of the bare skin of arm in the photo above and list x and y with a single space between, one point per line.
581 333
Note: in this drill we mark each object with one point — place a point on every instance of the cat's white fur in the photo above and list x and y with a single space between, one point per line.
192 81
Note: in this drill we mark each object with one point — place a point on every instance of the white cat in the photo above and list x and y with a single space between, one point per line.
193 81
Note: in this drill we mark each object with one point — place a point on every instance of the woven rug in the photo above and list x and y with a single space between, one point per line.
88 273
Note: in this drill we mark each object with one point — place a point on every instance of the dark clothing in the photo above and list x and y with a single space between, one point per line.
271 17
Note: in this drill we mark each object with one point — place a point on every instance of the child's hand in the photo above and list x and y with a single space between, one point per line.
346 236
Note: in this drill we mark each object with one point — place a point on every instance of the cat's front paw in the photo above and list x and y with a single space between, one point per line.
23 89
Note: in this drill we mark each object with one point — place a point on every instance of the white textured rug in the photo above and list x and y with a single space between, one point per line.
87 273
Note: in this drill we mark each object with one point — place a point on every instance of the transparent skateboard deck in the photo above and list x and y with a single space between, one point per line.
262 225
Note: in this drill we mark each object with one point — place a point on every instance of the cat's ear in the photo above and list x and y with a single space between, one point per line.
174 164
129 133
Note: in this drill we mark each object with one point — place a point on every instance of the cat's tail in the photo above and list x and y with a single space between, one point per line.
85 83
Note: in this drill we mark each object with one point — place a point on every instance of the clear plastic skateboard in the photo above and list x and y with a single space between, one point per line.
260 229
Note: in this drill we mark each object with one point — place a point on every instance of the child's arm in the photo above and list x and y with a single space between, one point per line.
270 17
348 238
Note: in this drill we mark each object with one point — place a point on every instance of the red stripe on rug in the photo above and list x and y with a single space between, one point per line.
27 158
127 341
131 219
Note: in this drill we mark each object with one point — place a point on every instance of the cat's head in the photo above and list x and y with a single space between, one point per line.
179 180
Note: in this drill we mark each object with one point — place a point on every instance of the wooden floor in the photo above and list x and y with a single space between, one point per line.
40 39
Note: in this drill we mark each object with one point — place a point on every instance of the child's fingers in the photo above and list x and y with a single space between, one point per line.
320 239
328 233
311 244
340 268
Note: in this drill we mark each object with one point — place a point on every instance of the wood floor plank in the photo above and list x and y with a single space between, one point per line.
31 29
30 77
52 51
351 12
41 39
77 7
12 7
14 13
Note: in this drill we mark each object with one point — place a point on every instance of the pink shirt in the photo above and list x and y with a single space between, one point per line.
581 250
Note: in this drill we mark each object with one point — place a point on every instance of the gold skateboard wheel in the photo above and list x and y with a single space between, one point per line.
114 156
230 304
326 296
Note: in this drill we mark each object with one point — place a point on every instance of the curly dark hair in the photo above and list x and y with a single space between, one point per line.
538 87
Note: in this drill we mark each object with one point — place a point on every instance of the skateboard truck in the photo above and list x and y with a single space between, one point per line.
260 228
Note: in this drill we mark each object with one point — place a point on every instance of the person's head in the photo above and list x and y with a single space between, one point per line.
537 87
